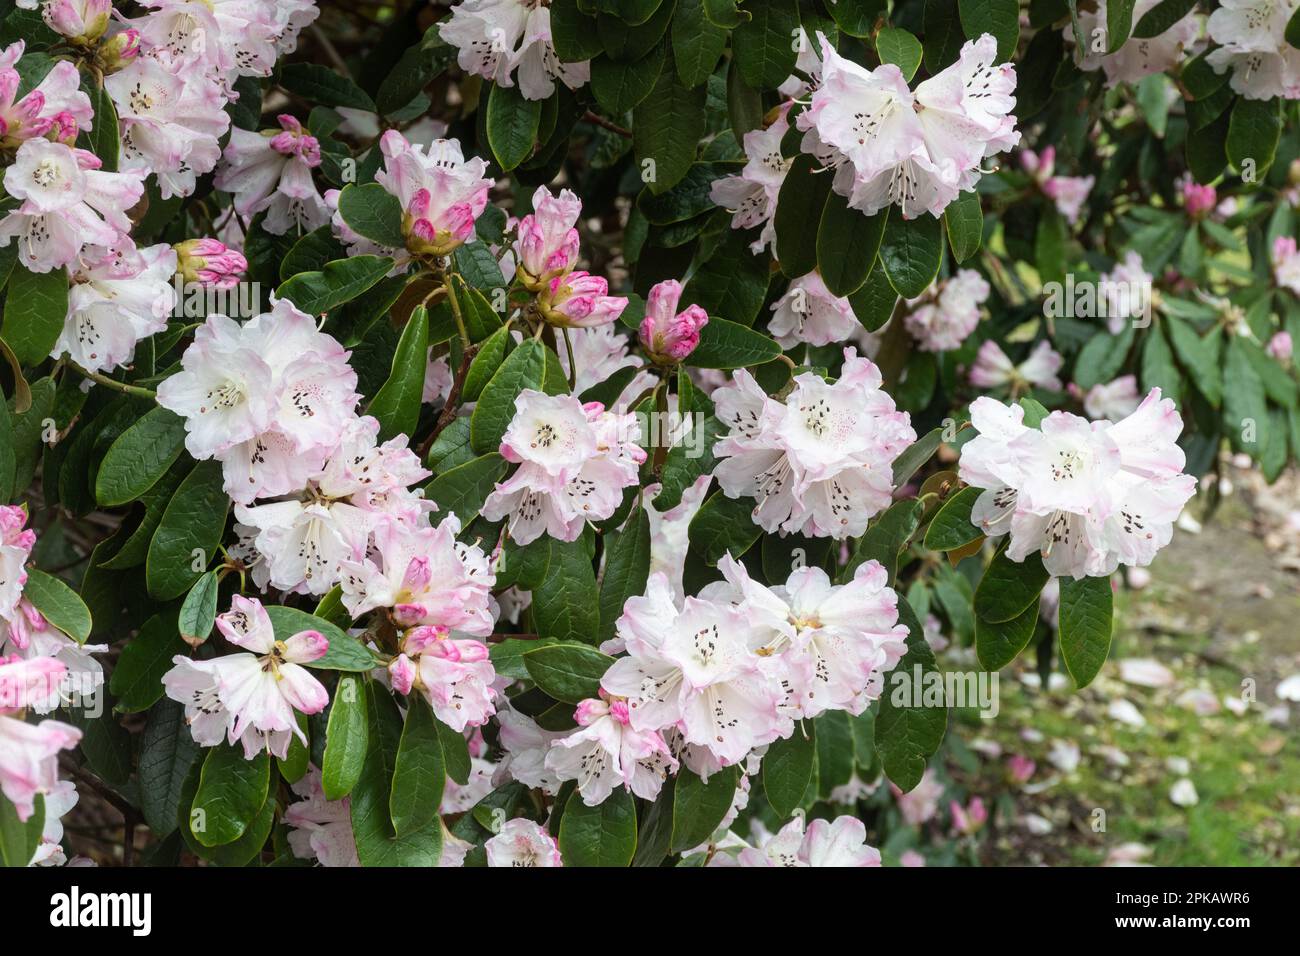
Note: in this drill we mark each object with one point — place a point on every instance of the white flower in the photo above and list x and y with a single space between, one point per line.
522 843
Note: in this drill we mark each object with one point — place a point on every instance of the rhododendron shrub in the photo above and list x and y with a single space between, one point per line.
527 433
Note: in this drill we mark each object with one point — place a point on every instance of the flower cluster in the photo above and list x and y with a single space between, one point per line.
440 191
1087 497
819 462
251 697
40 668
708 680
1252 44
941 320
574 462
508 40
1137 57
916 150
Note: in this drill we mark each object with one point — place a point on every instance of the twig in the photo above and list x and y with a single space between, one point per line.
448 413
600 121
114 383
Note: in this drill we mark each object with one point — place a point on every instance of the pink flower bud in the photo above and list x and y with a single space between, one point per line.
581 300
548 242
667 337
590 711
401 671
119 50
296 141
210 263
81 21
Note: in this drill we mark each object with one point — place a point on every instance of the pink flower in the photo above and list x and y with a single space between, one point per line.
668 336
993 369
1286 263
250 697
455 675
56 100
1020 767
809 312
606 751
575 460
505 40
817 462
547 245
971 819
522 843
424 576
441 192
272 172
841 842
1113 400
117 298
210 263
68 202
16 543
580 300
1199 199
942 324
29 758
320 829
751 195
1280 347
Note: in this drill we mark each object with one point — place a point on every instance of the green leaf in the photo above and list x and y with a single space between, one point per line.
834 751
104 138
998 17
570 673
763 45
1292 33
340 281
907 731
137 677
566 604
627 566
886 537
297 759
346 738
20 839
725 13
1199 356
512 123
486 361
378 843
723 525
345 652
726 344
522 369
1253 134
787 768
697 42
799 208
59 604
941 27
951 527
188 534
573 33
231 792
322 86
667 126
418 66
1119 23
397 404
619 86
732 283
455 753
900 48
1245 409
463 490
199 611
311 253
374 213
35 307
1084 625
603 835
698 807
964 219
1008 587
418 772
874 302
857 18
167 755
1163 16
911 251
139 457
916 455
847 242
997 645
